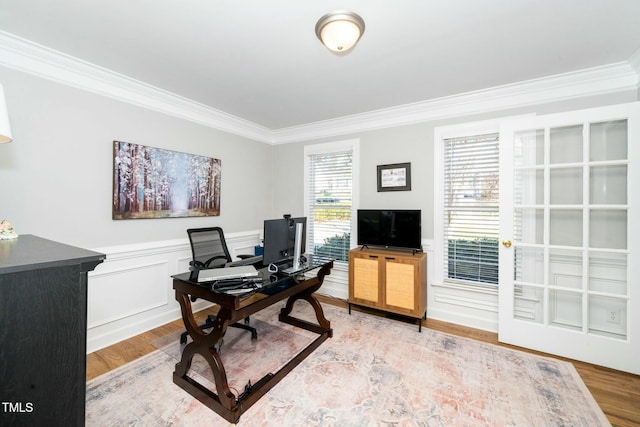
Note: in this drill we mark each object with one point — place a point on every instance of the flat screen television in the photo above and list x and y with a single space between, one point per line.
388 228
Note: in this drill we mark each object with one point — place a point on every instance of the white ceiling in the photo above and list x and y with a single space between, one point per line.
260 60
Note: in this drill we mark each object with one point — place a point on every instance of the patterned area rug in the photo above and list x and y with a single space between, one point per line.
373 372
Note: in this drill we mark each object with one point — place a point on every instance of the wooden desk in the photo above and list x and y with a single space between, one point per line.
232 309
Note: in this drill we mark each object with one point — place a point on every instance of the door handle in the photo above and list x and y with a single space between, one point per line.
506 243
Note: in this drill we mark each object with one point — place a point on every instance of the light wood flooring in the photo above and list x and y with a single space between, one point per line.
617 393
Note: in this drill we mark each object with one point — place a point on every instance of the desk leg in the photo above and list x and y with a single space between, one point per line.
204 344
324 326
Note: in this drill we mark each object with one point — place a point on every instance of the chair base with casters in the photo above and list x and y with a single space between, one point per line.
211 321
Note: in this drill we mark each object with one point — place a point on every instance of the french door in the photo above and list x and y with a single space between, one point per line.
569 280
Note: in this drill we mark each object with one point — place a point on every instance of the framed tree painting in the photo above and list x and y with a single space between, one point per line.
152 182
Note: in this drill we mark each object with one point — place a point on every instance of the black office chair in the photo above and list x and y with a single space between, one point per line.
209 250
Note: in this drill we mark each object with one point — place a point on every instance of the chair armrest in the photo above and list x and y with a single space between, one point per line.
196 265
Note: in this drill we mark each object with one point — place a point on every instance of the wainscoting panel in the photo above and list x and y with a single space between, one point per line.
132 291
126 292
337 283
470 307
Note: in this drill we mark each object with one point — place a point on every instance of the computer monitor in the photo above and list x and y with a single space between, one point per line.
280 243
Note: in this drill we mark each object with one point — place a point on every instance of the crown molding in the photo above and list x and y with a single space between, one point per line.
35 59
634 61
32 58
594 81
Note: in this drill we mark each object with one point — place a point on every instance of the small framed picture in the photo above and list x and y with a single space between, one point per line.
395 177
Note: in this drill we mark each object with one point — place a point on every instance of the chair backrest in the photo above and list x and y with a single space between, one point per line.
208 247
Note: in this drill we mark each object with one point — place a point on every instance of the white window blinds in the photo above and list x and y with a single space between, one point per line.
471 222
329 202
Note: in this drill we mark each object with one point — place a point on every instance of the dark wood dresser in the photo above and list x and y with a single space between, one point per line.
43 331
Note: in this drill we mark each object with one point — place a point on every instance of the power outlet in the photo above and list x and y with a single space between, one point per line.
613 316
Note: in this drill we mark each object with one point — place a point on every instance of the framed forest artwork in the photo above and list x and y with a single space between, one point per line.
151 182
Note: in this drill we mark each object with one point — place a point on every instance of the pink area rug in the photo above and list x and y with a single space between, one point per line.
373 372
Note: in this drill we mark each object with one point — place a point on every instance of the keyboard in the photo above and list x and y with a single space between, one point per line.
226 273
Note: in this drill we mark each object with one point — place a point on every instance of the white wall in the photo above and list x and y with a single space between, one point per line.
56 182
56 176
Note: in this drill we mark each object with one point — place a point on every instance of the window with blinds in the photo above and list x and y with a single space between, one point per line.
471 222
329 191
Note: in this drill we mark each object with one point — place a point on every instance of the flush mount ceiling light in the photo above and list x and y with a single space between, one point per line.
339 31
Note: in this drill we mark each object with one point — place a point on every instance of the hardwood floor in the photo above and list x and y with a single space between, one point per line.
617 393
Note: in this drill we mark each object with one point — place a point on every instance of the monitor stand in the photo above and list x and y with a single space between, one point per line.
297 251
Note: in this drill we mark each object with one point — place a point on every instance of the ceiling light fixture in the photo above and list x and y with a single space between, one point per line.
339 31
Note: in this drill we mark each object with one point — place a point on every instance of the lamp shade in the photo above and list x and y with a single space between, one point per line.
5 127
339 31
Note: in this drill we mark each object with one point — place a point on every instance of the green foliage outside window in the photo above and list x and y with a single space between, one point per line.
335 247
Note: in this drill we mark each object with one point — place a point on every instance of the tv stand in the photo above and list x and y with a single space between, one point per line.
390 280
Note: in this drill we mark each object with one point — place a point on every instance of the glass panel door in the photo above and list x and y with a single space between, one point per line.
564 283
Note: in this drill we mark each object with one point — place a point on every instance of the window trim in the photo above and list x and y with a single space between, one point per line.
352 145
439 136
